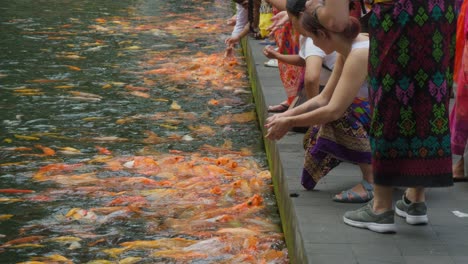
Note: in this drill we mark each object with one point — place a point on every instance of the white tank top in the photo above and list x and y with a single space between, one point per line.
364 90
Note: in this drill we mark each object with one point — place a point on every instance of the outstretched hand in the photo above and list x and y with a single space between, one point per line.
277 126
270 52
278 21
231 41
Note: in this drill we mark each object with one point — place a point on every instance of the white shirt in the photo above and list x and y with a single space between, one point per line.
242 18
308 48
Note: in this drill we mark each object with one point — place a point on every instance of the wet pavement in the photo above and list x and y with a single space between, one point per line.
312 222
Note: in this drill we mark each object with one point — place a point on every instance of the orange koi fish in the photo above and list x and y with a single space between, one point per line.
166 243
15 191
23 240
140 94
46 150
73 68
180 254
134 200
103 150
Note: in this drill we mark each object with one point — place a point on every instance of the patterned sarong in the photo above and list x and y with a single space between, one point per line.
345 139
291 76
411 59
459 114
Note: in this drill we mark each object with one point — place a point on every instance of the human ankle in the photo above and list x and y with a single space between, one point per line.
378 208
410 197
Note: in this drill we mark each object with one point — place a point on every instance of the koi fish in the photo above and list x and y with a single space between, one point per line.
69 151
46 150
53 258
26 137
86 95
64 86
78 214
71 57
103 150
64 239
180 254
73 68
10 200
23 240
164 243
134 200
140 94
15 191
5 216
130 260
110 139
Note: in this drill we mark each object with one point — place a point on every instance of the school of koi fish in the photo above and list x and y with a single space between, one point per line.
138 144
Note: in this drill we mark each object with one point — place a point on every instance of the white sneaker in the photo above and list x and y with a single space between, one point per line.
271 63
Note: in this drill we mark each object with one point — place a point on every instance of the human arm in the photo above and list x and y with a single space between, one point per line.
231 41
231 21
332 14
278 21
339 93
271 53
313 67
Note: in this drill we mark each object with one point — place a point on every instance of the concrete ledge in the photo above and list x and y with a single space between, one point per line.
266 88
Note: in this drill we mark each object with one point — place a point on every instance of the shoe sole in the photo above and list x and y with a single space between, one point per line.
412 219
379 228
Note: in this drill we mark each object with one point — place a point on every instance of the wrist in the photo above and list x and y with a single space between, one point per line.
290 121
315 13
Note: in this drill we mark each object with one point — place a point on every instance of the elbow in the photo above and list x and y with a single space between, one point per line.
334 115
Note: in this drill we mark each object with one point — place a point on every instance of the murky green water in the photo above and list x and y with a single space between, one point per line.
115 89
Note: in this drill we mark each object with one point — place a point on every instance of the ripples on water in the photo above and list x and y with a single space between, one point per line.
126 138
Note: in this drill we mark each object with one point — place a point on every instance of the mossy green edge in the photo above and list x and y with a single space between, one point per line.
289 223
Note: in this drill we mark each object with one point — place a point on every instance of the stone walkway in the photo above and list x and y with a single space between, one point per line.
312 222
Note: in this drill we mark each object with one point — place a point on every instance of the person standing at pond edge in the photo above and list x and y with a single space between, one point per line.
410 74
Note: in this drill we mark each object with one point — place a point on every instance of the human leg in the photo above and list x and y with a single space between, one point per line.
412 206
361 192
377 215
459 170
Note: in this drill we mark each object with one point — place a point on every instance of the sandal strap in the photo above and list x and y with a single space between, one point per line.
354 197
367 186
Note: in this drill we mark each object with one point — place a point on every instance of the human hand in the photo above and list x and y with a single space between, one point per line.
231 41
229 52
270 52
278 21
277 127
231 21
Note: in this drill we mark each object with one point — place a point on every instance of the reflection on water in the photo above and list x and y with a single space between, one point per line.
127 137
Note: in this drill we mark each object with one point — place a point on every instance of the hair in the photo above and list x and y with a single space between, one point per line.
310 23
295 7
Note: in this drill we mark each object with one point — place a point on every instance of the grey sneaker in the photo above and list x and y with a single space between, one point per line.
414 213
364 217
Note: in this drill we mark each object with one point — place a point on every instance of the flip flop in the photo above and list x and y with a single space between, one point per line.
283 107
350 196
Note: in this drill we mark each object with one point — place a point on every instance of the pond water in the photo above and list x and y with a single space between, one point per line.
127 137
